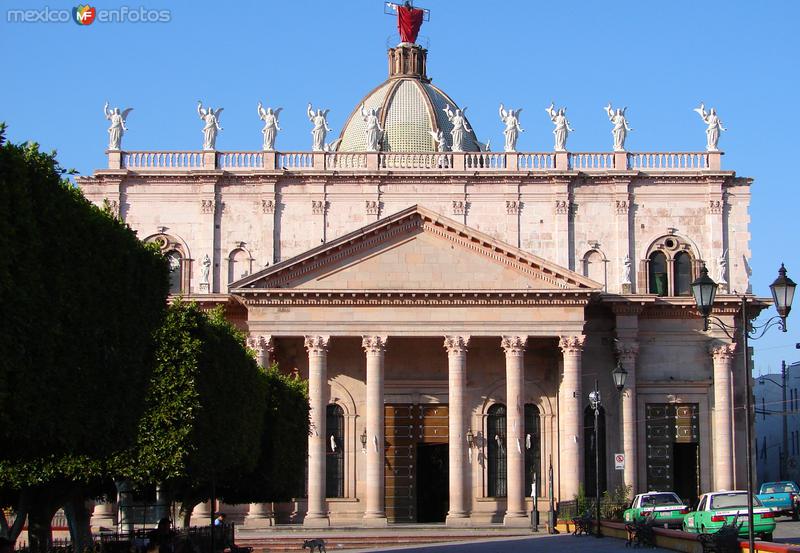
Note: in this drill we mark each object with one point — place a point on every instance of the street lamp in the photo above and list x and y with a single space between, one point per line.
595 401
620 375
704 290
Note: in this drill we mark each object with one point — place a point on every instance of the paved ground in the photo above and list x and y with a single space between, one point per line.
534 544
787 531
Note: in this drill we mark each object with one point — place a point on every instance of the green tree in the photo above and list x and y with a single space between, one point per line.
81 297
204 409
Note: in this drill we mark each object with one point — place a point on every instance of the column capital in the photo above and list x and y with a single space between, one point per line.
455 344
723 351
627 351
374 344
572 345
317 344
261 342
514 345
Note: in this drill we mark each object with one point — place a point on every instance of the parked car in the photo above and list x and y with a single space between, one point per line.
782 497
717 508
664 508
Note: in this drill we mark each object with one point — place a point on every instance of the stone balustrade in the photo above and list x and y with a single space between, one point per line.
473 162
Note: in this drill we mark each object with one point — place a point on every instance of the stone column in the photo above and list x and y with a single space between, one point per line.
570 415
103 515
317 347
374 510
261 515
723 442
456 347
516 513
627 352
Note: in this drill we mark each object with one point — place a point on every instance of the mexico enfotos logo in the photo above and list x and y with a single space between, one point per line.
85 15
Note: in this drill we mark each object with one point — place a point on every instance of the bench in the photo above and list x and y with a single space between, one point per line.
641 533
582 524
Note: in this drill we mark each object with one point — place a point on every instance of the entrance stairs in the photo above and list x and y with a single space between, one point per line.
290 538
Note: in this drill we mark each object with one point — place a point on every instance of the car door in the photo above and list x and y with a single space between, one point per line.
694 518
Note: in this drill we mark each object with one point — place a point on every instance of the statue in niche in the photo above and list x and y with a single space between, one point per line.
205 269
626 270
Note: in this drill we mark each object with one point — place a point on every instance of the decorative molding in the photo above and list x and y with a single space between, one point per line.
372 207
263 343
267 206
722 352
207 206
113 207
456 344
562 207
459 207
374 345
627 352
512 207
622 206
514 345
317 345
319 207
572 345
715 207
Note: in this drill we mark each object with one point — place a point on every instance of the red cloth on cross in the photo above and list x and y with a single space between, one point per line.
409 20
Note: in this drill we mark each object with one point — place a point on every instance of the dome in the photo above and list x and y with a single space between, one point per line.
411 109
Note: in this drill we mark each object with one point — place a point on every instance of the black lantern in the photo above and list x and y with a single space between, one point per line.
783 293
364 439
620 375
470 438
704 290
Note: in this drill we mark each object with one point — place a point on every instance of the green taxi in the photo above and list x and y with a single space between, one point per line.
663 508
717 508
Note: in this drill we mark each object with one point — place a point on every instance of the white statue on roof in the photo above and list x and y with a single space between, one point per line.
117 128
373 129
460 127
511 120
320 129
211 127
620 129
562 130
271 126
714 127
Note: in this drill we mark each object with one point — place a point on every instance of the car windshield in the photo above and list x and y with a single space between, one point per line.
779 487
657 499
728 500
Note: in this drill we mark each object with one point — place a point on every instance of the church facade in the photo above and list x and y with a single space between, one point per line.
452 309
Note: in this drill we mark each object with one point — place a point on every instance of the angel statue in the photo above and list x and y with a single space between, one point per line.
320 129
620 129
271 127
117 128
439 140
562 130
511 120
374 131
714 126
721 265
211 126
460 127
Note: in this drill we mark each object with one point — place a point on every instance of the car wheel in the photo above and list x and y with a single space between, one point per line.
796 514
766 536
703 529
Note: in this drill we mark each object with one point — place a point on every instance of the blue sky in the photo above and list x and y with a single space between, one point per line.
658 58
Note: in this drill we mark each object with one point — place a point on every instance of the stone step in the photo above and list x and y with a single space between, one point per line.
334 542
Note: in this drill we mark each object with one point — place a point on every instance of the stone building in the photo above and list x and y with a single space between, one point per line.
777 424
452 310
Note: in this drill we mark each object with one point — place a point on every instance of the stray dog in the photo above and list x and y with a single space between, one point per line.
317 544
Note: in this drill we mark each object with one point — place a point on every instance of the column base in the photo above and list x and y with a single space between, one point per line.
458 521
516 521
316 521
375 521
259 522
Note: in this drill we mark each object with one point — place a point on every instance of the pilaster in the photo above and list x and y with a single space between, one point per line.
317 347
374 512
456 347
570 414
514 348
722 356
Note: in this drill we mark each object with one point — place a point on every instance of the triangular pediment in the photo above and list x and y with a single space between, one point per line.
416 250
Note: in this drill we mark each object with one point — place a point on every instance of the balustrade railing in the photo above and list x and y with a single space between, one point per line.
416 161
162 160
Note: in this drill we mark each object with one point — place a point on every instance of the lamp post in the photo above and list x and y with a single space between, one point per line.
595 402
704 290
784 452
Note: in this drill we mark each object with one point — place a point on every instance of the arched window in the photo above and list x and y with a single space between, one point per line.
657 274
496 450
682 279
594 266
334 460
175 272
532 449
590 478
238 265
